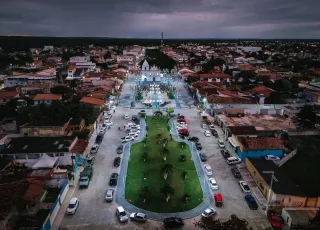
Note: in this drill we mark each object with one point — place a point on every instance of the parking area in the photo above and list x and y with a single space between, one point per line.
233 197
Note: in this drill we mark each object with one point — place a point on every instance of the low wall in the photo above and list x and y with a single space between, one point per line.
56 207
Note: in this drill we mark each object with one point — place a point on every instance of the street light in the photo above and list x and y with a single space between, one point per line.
273 178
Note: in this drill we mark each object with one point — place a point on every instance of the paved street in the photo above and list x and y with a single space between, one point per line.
95 213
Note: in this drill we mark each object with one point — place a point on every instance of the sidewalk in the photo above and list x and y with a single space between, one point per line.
72 188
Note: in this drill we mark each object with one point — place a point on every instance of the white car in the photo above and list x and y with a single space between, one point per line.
221 144
207 169
135 126
244 186
126 116
204 126
121 214
127 138
213 183
94 149
134 135
109 113
110 123
233 160
134 131
207 133
272 157
73 205
208 212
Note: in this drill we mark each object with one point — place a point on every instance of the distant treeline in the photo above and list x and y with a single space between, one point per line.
39 42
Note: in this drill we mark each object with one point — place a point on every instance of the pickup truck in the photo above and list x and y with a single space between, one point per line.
85 177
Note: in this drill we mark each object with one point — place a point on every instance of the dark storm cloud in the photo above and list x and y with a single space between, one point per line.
176 18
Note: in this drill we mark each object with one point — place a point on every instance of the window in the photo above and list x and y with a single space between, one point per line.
33 156
61 154
20 156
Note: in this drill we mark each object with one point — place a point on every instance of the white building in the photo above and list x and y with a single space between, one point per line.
26 79
150 73
77 59
128 58
86 65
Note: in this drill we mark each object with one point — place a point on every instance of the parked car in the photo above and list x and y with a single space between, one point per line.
138 216
244 186
110 123
73 205
126 139
133 134
99 138
275 219
126 116
198 146
173 222
181 120
203 157
251 202
213 183
207 169
204 126
117 161
194 139
272 157
121 214
102 132
208 212
207 133
180 117
236 173
221 144
233 160
225 153
109 113
109 195
214 133
94 149
211 127
120 149
113 179
218 199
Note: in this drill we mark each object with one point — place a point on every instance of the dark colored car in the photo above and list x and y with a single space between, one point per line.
251 202
225 153
120 149
194 139
117 161
275 219
113 179
198 146
99 139
203 157
236 173
214 133
173 222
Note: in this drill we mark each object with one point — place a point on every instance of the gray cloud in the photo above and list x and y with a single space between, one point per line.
176 18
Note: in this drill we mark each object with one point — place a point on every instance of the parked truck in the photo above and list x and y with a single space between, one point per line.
85 177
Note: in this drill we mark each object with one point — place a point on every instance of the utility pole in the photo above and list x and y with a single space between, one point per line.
273 178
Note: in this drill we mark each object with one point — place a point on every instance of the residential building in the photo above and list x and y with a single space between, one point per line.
312 96
128 58
290 111
45 127
26 79
6 95
29 149
35 88
46 98
79 59
71 71
215 77
259 147
97 103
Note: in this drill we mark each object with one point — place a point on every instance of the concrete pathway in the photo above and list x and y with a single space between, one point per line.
120 195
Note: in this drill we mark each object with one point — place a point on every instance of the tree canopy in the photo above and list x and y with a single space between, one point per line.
211 63
158 58
306 117
234 223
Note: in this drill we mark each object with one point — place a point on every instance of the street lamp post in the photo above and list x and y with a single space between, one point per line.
273 178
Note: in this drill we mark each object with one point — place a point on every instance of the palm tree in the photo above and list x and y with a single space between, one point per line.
144 193
164 152
166 169
145 156
167 190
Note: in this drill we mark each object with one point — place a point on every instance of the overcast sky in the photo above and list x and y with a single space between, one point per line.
148 18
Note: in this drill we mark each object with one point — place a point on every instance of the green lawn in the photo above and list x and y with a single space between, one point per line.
151 169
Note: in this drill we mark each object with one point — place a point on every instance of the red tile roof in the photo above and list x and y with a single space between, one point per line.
47 97
215 99
34 190
80 146
214 75
267 143
8 94
263 90
92 101
71 68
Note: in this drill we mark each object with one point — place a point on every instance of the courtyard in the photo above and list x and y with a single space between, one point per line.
147 168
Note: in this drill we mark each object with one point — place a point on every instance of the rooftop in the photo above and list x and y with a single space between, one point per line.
92 101
46 122
34 190
267 143
8 94
303 168
47 97
284 185
38 145
243 130
260 122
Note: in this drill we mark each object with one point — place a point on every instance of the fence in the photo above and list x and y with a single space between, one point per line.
55 208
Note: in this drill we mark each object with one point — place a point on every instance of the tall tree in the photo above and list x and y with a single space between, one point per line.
166 169
144 193
306 117
168 191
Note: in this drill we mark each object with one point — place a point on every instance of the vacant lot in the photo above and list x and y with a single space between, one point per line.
149 173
